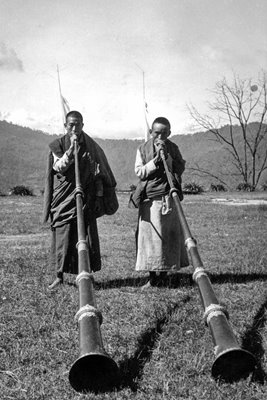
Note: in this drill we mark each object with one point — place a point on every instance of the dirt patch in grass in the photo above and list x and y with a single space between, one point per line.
34 236
240 202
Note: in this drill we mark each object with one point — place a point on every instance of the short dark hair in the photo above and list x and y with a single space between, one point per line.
75 114
163 121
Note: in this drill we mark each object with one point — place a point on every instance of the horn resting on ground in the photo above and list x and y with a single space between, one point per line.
94 370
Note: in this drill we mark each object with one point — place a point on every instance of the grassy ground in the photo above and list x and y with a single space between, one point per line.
158 338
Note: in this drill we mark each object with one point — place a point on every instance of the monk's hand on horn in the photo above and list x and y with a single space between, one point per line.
161 150
73 138
70 150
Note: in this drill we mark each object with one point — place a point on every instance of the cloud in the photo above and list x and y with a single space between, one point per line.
22 117
18 116
210 54
9 59
4 115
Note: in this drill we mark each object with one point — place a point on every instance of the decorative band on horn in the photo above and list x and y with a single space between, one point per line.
198 273
83 275
82 245
173 190
88 311
214 310
78 190
190 242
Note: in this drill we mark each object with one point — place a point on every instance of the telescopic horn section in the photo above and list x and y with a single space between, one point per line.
232 362
94 370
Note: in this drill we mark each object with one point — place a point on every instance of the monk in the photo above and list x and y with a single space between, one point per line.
159 237
100 198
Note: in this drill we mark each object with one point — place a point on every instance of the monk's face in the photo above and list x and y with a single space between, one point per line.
160 131
74 126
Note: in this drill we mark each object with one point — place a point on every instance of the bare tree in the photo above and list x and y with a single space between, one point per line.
244 104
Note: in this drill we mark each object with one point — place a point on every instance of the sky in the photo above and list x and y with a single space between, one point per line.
104 48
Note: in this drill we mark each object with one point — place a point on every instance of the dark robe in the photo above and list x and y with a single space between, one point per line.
60 203
157 183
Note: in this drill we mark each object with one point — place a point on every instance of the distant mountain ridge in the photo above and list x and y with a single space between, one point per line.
23 154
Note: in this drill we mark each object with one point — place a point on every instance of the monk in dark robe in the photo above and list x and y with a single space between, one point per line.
100 198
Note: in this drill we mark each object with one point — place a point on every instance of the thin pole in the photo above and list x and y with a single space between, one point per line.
147 132
60 96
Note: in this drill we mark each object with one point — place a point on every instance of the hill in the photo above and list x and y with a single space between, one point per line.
23 153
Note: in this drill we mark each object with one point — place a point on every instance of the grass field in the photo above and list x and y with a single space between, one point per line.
157 338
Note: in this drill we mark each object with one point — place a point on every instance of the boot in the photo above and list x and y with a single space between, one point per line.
57 282
162 278
152 281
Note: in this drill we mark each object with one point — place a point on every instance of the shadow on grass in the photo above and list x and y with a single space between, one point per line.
131 369
237 278
252 341
172 281
180 280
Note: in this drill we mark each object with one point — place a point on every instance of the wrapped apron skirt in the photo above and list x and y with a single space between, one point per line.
160 242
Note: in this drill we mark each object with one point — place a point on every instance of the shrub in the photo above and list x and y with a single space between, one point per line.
245 187
264 187
192 188
217 187
20 191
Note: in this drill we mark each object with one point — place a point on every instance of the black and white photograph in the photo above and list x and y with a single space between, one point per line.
133 199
